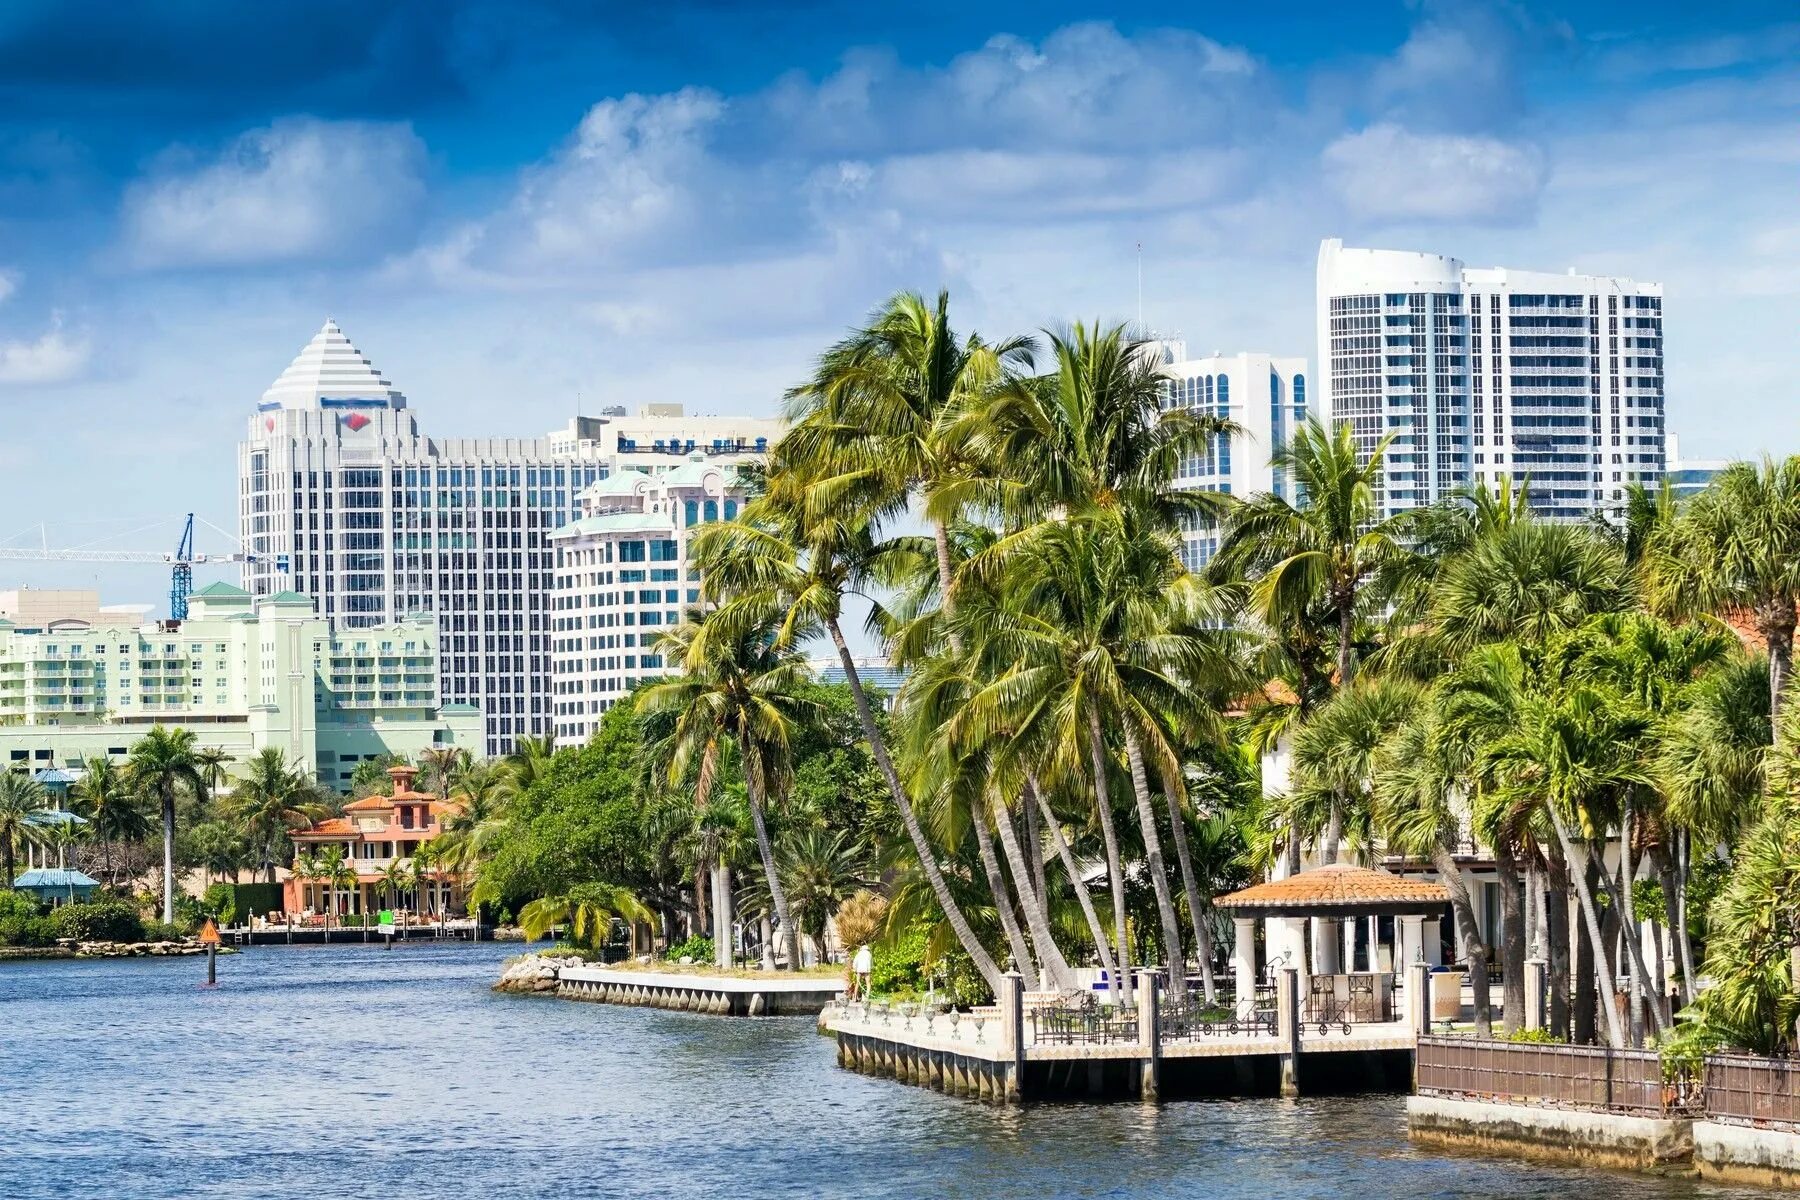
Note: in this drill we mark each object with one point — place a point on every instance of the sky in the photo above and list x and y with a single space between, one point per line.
518 209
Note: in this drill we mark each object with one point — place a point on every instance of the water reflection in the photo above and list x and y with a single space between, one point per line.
351 1071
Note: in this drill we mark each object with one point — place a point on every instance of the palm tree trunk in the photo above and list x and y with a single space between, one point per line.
934 875
1346 631
1683 868
1003 904
1577 860
168 815
1203 943
1775 621
1115 873
1037 917
1034 838
1629 935
1067 858
1474 951
1333 837
1512 940
12 862
764 847
940 534
724 953
1556 935
1159 877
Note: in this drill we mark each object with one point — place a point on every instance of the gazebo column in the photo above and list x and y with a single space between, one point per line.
1243 965
1412 933
1326 958
1434 943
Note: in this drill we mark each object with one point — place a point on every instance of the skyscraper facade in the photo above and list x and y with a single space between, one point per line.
1479 373
1266 397
344 498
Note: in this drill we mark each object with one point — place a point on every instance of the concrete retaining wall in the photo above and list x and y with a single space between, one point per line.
1740 1154
1561 1135
699 994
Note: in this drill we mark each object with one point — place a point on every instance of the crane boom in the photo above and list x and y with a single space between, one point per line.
181 562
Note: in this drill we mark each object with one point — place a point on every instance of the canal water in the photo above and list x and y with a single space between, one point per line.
355 1072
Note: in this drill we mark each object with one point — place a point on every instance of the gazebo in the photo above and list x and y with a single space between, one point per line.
56 884
1333 897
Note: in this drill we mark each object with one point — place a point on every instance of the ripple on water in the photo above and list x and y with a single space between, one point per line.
350 1071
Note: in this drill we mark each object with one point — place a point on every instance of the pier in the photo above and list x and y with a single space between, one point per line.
719 995
1053 1050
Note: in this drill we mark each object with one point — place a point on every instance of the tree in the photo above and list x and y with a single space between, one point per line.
20 798
821 871
443 767
740 682
1735 549
805 563
588 909
338 875
1328 549
166 764
107 799
269 800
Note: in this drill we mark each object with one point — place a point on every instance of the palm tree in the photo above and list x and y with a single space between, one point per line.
1735 548
1334 760
212 760
338 876
270 799
530 760
419 872
443 766
739 681
20 797
821 870
393 880
166 764
891 408
106 798
1330 549
588 909
806 563
1526 581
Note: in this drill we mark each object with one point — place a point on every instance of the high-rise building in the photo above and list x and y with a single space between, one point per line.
343 497
1267 399
623 579
1688 477
242 674
1479 373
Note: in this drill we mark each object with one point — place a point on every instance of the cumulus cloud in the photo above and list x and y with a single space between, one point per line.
1388 173
55 357
318 190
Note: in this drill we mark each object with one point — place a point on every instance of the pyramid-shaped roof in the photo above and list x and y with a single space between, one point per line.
221 588
1339 888
330 368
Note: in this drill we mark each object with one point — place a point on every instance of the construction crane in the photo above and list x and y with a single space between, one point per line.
181 573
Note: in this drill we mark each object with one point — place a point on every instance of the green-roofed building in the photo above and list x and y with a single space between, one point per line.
242 673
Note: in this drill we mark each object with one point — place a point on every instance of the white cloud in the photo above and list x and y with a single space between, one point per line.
1386 173
318 190
54 357
9 284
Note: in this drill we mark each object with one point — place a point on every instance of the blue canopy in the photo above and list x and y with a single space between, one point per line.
54 883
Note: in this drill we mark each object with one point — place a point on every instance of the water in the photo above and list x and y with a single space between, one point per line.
351 1072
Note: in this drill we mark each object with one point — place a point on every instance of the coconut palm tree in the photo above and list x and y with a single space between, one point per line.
530 760
443 767
806 564
166 764
20 798
270 799
107 799
338 875
1735 549
1330 549
213 760
740 682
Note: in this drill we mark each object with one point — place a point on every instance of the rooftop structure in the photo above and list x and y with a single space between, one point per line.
343 497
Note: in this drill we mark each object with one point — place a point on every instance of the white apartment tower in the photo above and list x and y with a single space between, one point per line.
623 579
1265 396
342 497
1480 373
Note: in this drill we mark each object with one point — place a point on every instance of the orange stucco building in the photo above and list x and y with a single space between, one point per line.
373 834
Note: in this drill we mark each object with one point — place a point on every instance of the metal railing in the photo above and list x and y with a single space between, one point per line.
1742 1089
1595 1078
1086 1024
1190 1020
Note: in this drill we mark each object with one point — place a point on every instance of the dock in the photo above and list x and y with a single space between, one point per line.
719 995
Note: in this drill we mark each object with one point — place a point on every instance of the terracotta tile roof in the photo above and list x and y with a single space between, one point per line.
336 825
368 804
1341 888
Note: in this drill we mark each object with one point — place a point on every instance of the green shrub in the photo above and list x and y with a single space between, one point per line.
220 903
18 904
156 931
106 921
700 949
18 929
1541 1037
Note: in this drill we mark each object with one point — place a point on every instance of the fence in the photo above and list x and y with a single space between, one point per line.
1743 1089
1586 1077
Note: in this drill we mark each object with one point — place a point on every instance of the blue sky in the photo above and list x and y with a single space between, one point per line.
511 205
